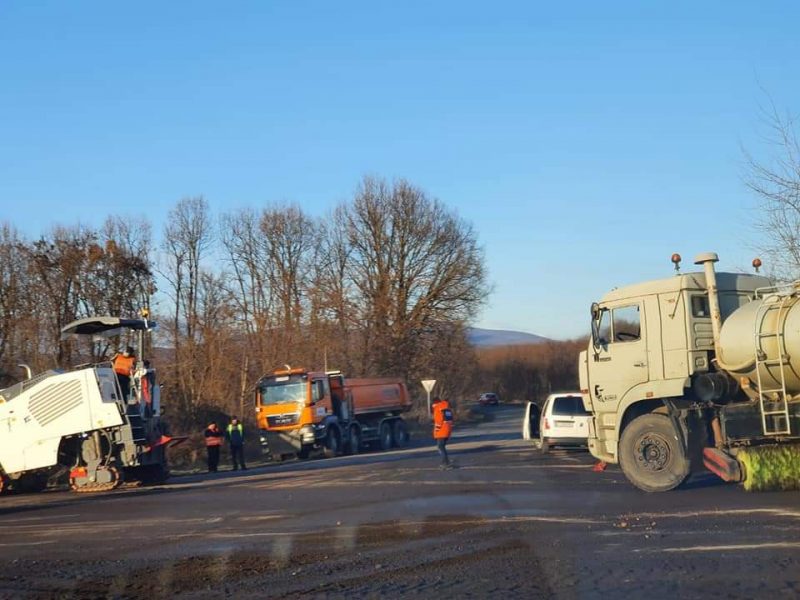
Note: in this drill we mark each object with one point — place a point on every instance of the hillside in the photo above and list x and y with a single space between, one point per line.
484 338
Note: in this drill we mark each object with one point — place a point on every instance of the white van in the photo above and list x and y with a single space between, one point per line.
563 422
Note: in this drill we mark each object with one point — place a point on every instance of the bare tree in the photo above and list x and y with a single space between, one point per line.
188 238
57 266
332 294
289 235
417 267
13 300
248 258
775 181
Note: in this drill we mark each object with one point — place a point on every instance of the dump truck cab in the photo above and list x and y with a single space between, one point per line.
295 407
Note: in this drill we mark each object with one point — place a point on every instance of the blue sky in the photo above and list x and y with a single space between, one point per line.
585 141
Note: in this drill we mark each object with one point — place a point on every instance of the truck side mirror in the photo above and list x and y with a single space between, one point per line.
595 310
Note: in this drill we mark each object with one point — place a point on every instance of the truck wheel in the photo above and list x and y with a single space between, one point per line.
333 443
651 455
353 445
304 453
399 434
385 435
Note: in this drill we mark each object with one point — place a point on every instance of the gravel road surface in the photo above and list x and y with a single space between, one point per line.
509 523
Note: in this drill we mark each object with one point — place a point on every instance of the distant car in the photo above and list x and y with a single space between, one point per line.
488 399
564 421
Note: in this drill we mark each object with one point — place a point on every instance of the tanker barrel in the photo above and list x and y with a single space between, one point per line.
767 328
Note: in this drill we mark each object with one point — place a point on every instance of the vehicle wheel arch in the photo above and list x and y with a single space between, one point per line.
639 408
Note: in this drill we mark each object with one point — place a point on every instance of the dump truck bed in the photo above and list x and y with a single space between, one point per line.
382 395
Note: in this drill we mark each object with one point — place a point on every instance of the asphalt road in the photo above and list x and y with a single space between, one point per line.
509 523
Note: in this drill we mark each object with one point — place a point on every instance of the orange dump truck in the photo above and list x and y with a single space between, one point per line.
301 411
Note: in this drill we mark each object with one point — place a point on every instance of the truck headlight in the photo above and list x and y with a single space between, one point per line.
307 433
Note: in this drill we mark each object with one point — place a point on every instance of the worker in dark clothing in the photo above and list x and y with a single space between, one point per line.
442 428
235 434
213 442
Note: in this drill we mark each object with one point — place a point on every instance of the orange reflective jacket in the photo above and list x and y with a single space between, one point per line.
123 365
213 437
442 420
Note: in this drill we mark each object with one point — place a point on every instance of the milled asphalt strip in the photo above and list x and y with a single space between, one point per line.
367 526
723 548
778 512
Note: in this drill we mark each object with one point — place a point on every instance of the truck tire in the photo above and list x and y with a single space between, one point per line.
333 442
399 434
385 435
651 454
304 453
353 445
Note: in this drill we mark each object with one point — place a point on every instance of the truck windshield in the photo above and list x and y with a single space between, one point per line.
282 390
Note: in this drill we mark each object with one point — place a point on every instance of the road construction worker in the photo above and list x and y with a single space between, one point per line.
213 442
124 364
235 434
442 428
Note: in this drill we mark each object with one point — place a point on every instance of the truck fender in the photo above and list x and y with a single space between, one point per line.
647 397
330 421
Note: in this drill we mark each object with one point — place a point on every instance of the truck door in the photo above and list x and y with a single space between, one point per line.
620 354
321 399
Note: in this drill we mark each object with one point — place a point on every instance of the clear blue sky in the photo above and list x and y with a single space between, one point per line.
585 141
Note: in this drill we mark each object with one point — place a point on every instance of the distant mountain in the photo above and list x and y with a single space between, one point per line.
498 337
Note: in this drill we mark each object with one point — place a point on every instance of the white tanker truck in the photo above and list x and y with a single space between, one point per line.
80 421
698 369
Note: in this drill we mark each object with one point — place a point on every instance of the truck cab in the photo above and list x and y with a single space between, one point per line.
649 343
294 409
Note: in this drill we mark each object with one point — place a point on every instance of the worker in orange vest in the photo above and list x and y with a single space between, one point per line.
442 428
124 364
213 442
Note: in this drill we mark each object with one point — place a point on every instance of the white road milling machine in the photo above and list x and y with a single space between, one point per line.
79 421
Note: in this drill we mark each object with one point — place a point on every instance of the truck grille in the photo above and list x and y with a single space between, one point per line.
278 420
55 401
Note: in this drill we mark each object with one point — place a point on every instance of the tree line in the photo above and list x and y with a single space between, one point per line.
384 285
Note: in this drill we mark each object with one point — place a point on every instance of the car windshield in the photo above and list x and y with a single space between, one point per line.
282 390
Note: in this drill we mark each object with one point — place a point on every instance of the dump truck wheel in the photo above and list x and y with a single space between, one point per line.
651 455
385 435
399 434
333 442
354 440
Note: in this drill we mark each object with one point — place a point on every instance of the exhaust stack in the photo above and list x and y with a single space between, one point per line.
707 259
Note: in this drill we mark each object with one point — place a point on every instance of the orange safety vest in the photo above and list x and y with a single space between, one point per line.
442 420
123 365
215 439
